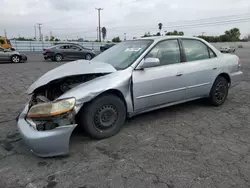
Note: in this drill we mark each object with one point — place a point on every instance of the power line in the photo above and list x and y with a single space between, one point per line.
221 18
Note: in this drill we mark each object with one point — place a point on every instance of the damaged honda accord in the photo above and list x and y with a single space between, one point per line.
128 79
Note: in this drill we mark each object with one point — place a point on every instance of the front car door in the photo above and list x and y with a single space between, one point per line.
161 84
77 52
201 67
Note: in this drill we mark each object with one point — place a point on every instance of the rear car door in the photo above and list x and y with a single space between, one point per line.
162 84
201 67
66 51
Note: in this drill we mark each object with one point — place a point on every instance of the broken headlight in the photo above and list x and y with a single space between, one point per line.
51 108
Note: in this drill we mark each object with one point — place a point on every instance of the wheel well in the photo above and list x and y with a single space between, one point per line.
117 93
226 76
111 91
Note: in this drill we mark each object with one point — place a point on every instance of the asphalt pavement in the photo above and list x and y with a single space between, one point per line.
189 145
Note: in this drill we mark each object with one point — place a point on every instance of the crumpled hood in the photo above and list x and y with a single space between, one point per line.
78 67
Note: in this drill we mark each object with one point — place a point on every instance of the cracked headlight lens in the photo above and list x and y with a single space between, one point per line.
52 108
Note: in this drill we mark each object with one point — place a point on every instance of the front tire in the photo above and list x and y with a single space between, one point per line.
15 59
103 117
219 91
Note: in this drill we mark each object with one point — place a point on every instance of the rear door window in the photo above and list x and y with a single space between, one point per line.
195 50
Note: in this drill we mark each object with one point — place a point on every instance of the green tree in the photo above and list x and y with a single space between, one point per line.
160 27
104 33
116 39
233 34
181 33
52 38
57 39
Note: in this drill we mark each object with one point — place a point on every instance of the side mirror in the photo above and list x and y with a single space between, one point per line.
150 62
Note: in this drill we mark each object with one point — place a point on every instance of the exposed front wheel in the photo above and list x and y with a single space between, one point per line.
15 59
103 117
219 91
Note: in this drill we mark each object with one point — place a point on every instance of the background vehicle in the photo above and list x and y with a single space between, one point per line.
227 49
8 55
132 77
68 51
106 46
5 43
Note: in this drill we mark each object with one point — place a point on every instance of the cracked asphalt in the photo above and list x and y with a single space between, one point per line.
189 145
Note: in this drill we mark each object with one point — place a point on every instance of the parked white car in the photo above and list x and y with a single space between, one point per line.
227 49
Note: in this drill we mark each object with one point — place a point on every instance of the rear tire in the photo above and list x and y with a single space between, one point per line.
88 57
58 57
103 117
219 91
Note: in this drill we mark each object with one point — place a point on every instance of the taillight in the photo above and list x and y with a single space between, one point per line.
239 64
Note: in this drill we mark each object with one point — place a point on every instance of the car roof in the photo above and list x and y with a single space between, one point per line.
159 38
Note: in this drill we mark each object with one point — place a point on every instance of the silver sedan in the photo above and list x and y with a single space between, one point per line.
130 78
8 55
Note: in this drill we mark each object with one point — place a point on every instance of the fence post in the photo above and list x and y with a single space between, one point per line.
42 46
30 46
15 44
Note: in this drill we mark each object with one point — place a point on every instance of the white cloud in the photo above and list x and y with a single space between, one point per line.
72 18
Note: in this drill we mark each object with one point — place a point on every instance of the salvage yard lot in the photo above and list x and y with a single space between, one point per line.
188 145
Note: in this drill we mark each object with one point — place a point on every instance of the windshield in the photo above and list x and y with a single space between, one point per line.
123 54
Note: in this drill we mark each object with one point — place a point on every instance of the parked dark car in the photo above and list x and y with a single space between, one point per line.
68 51
106 46
10 55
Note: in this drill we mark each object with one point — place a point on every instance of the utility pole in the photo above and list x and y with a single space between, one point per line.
35 31
5 33
40 32
97 31
99 22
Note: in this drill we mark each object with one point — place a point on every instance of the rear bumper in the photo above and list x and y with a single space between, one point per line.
236 78
48 55
45 143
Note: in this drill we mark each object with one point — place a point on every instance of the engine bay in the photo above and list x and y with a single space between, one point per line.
56 88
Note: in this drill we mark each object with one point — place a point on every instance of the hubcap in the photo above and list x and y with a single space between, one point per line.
58 58
15 59
105 117
221 91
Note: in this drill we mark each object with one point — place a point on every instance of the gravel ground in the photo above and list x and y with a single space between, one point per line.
188 145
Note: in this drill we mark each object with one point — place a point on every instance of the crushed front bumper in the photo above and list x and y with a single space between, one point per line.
45 143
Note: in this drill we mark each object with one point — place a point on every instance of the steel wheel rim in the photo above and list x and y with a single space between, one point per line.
15 59
221 91
105 117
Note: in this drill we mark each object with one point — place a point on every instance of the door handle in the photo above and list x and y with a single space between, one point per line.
214 68
179 74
